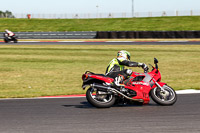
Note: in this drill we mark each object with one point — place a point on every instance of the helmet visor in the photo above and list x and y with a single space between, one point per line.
128 56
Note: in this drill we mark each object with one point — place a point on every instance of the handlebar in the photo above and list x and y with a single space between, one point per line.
146 69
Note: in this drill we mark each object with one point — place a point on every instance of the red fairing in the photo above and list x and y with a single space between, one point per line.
135 74
156 75
142 89
103 78
160 83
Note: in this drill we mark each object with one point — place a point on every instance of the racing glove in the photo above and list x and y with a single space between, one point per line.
144 66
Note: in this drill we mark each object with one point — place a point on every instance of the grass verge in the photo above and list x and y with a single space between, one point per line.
181 23
32 71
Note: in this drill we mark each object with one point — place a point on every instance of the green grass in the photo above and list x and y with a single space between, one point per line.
109 24
31 71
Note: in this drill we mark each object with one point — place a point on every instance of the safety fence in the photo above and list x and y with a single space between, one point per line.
106 34
109 15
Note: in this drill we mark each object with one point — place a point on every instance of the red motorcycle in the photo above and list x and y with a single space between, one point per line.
137 89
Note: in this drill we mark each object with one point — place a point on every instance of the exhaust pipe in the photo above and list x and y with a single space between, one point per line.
107 89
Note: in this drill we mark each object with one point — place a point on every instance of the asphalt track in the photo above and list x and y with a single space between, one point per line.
76 115
178 42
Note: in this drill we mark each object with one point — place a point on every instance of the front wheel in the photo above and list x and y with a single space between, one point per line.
100 99
166 97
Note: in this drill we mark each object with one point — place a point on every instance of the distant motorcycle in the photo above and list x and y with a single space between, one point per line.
8 39
138 89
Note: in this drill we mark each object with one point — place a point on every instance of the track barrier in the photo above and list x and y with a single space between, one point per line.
106 34
148 34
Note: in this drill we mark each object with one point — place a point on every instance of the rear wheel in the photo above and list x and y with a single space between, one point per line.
166 97
100 99
6 40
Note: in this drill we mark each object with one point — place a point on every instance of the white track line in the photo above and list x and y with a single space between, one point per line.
191 91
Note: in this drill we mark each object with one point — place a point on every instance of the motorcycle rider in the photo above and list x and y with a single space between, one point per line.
8 33
116 69
9 36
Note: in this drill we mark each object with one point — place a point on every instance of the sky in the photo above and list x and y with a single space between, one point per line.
96 6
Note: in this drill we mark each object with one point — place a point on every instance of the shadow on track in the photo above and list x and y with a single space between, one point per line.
83 105
88 105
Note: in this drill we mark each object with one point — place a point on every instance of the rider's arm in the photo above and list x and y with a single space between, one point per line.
128 63
132 64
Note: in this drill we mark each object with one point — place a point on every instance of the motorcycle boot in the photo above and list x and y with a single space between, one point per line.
118 84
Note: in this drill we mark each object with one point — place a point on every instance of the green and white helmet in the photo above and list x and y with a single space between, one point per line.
123 54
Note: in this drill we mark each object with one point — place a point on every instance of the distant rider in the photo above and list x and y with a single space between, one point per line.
8 33
116 69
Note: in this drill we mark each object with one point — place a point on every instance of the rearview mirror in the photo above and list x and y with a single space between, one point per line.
155 61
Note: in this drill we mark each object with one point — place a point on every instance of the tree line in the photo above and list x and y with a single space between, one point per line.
6 14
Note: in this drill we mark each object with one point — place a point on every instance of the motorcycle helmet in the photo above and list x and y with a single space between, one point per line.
124 54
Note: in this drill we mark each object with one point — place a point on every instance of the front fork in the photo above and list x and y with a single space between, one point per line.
158 85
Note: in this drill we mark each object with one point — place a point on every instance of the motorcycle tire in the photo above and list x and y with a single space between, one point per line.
107 101
15 40
6 40
167 98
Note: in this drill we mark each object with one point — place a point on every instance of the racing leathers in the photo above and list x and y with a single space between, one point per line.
116 69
